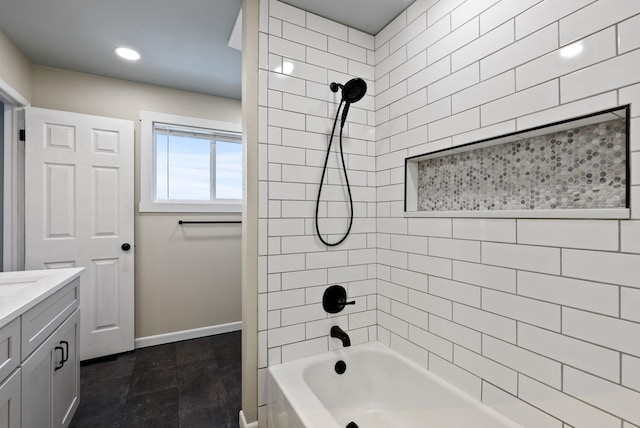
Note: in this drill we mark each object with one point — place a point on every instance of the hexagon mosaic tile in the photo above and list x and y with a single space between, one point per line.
579 168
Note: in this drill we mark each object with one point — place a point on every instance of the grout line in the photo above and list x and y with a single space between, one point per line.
620 302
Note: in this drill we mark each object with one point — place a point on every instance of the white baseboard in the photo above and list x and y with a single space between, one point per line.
243 422
161 339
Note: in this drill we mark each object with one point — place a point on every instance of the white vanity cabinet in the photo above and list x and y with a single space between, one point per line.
51 379
66 380
10 400
10 374
40 378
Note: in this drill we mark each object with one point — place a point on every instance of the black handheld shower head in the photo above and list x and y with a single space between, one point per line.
352 92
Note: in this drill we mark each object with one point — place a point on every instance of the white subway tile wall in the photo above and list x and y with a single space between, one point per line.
538 318
543 315
305 53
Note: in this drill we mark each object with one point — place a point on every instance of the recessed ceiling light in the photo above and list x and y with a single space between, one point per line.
128 54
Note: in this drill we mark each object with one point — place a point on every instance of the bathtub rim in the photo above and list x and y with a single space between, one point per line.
310 411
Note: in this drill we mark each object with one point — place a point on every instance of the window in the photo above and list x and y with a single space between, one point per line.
194 164
190 165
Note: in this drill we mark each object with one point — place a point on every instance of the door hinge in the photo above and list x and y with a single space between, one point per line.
21 136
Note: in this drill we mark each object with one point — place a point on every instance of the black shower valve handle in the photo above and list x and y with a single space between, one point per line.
342 302
334 299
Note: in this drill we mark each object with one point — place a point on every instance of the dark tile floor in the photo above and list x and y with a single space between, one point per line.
189 384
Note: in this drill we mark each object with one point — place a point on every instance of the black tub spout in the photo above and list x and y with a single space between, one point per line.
339 333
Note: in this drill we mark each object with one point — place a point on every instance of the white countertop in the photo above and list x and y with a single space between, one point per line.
22 290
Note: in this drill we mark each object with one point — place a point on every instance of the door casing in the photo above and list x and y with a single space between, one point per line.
13 190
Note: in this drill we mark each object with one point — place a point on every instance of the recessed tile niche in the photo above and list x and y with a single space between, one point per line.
572 169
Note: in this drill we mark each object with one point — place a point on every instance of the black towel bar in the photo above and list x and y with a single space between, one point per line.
210 222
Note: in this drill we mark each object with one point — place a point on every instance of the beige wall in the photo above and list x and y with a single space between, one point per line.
15 68
186 277
91 94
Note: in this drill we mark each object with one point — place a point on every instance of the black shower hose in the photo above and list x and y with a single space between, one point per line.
346 177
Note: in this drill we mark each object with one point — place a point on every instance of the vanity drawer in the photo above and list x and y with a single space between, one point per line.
41 320
9 348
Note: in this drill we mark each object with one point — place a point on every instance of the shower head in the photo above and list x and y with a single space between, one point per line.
352 92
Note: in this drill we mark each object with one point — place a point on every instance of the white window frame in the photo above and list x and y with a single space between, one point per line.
148 202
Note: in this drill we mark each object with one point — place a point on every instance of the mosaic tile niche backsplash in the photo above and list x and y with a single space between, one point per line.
579 168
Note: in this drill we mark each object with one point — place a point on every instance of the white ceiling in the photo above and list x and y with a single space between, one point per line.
183 43
369 16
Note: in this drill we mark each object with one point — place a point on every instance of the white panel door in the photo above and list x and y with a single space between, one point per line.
79 212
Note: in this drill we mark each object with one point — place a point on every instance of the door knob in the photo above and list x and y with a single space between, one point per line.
126 246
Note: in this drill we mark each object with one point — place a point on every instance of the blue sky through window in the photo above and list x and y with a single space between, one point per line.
183 168
228 170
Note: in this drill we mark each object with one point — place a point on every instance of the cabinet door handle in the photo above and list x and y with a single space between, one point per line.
65 352
62 360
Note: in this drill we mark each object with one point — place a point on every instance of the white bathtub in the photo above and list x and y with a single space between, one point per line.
379 389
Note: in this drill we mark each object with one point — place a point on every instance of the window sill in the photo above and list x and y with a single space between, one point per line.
168 207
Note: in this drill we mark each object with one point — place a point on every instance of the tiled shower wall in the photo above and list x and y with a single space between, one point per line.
300 54
547 311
